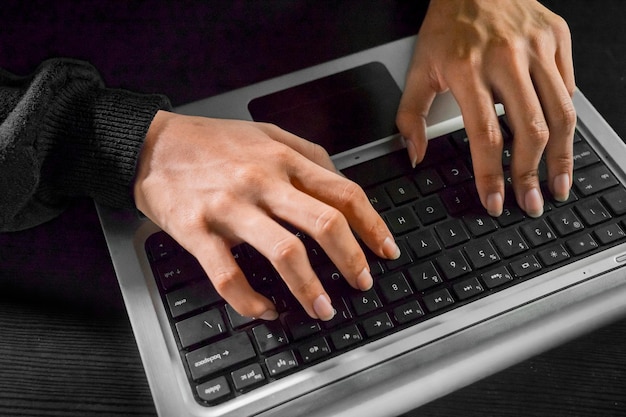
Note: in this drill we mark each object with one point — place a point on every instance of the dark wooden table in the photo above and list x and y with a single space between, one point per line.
66 347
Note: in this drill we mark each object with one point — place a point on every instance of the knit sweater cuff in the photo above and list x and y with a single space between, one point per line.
103 132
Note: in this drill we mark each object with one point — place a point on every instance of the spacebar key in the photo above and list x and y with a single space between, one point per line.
220 355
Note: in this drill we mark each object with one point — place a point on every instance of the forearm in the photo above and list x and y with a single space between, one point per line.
63 134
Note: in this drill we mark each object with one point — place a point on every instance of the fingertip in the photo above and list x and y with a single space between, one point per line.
494 204
391 250
323 308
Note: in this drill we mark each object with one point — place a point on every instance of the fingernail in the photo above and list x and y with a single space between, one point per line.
494 204
323 308
561 187
269 315
364 280
533 203
412 152
391 249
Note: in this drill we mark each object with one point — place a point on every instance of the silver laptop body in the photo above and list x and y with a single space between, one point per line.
405 369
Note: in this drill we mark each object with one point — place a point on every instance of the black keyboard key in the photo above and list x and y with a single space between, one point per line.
455 172
401 220
248 376
365 302
346 337
220 355
581 244
401 190
525 266
437 300
553 255
192 298
481 253
511 214
178 270
592 212
342 314
300 325
199 328
377 324
452 233
428 181
281 362
496 277
593 179
453 265
314 350
616 201
468 288
237 320
538 233
214 390
479 224
424 276
456 199
430 210
584 155
565 222
161 246
379 199
423 243
269 336
509 243
609 233
404 259
394 287
408 312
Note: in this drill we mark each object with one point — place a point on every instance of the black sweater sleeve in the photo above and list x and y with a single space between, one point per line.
62 135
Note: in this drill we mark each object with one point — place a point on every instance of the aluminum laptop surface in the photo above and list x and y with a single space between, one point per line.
408 368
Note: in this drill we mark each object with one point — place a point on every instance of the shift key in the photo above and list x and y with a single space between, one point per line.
220 355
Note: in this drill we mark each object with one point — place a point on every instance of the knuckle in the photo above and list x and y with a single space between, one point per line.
225 280
537 132
286 250
487 136
566 120
327 222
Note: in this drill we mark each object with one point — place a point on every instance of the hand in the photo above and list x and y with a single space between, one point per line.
484 51
212 184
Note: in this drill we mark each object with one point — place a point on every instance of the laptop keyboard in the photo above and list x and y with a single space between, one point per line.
453 253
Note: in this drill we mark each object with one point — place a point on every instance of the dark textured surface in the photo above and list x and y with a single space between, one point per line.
66 347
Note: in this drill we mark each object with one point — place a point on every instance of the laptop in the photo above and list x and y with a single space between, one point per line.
470 296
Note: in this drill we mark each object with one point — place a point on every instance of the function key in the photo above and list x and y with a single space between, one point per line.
438 300
314 350
525 266
468 288
247 376
581 244
553 255
346 337
377 324
408 312
281 363
496 277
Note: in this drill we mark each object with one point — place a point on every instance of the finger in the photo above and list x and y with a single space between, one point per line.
287 254
413 109
217 260
327 226
485 139
530 133
351 201
561 117
564 60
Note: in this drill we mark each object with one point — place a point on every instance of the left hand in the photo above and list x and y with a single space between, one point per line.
484 51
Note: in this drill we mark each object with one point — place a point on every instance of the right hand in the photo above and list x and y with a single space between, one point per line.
213 183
